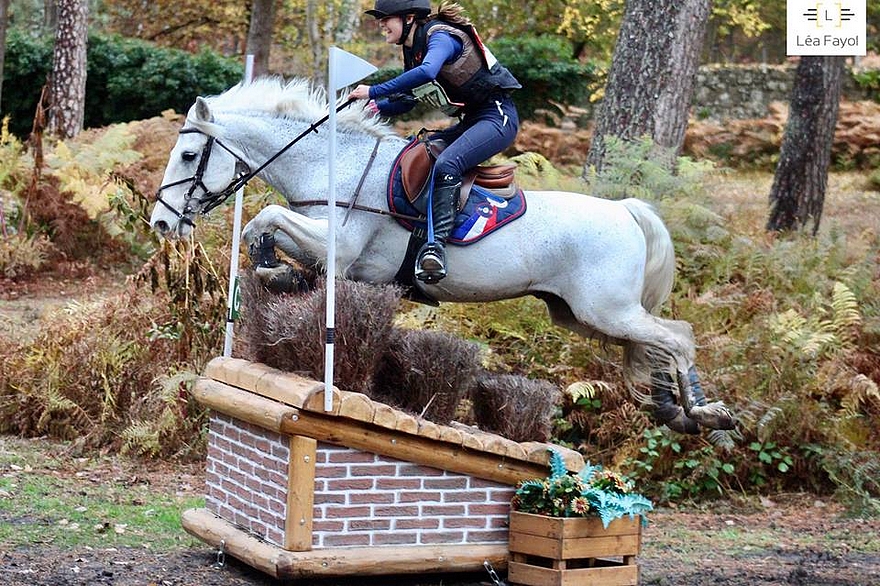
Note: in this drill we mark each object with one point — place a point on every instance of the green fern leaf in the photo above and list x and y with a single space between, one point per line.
557 465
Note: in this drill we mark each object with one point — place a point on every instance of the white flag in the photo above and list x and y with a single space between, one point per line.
347 69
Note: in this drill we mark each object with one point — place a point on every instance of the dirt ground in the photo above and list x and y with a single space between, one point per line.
794 539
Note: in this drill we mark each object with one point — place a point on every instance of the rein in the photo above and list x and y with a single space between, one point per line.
209 200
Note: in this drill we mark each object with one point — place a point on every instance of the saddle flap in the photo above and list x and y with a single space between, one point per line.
494 176
415 168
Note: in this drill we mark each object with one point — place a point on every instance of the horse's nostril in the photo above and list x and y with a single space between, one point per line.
161 226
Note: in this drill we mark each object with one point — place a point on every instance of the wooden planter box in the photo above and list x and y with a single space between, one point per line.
553 551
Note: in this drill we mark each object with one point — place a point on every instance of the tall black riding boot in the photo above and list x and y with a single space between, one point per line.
431 262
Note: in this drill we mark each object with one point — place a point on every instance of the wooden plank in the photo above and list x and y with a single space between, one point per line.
521 573
355 406
558 528
300 494
241 404
594 547
410 448
384 416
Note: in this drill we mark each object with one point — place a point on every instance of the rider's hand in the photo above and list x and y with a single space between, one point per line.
361 92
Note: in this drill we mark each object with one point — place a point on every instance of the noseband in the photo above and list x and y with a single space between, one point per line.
243 174
208 200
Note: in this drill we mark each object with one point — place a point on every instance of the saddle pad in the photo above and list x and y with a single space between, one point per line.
482 214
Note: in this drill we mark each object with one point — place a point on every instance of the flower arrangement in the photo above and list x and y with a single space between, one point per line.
592 492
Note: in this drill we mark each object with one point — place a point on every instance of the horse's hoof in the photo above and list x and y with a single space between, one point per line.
714 415
683 424
282 279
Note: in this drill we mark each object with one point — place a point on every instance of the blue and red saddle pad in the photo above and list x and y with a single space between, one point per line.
483 213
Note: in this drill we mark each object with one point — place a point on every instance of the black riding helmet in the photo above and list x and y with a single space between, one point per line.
384 8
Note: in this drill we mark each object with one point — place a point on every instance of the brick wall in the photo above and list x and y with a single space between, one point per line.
361 499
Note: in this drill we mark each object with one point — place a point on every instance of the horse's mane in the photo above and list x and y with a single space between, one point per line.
297 99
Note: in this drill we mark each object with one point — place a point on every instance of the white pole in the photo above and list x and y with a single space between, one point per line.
232 298
331 239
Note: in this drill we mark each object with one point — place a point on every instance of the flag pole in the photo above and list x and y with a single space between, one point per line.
344 69
232 298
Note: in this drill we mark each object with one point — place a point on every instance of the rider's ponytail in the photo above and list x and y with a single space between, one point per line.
452 12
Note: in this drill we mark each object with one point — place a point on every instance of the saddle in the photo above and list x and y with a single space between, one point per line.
415 170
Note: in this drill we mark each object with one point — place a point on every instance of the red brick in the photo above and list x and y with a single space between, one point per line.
483 483
416 470
392 511
328 526
372 498
325 498
346 540
331 472
443 510
374 470
464 523
404 524
453 483
369 525
395 539
398 483
347 512
351 457
442 537
474 496
350 484
415 497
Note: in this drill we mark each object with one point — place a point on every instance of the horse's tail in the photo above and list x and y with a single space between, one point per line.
653 367
660 259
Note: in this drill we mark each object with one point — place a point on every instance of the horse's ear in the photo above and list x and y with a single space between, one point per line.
203 110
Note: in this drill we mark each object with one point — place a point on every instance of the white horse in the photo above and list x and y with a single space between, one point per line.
602 267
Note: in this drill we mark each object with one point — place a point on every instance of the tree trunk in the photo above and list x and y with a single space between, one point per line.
315 42
4 17
68 84
651 81
259 39
798 192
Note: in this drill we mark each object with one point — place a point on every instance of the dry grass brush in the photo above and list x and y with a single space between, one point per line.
514 406
288 331
427 373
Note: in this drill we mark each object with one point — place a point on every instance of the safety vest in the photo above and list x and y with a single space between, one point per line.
474 76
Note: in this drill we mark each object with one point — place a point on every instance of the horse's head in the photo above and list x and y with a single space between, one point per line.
201 173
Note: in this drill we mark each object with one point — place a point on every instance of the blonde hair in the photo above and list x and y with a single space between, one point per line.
452 12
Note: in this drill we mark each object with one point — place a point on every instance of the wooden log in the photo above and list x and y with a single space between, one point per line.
241 404
335 562
217 532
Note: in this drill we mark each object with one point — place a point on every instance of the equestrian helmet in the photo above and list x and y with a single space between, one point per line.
385 8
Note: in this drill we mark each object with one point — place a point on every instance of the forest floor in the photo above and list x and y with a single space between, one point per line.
787 539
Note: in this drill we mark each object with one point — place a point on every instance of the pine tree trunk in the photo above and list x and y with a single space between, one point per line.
68 84
259 39
651 81
4 17
798 192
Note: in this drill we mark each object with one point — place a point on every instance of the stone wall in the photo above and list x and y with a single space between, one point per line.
745 91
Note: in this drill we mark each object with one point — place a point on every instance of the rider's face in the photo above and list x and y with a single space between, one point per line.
392 28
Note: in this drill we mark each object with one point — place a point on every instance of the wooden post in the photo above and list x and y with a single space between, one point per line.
300 494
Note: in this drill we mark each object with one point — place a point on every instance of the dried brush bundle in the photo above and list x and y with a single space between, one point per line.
514 406
427 373
287 331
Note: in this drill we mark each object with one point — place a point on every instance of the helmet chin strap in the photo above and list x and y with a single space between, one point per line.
407 27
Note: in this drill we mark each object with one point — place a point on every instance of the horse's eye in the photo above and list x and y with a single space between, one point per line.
189 156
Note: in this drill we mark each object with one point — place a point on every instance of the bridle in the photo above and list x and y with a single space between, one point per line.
209 200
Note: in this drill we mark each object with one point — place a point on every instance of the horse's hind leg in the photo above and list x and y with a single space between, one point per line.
713 415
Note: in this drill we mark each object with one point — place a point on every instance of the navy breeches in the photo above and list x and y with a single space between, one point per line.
483 132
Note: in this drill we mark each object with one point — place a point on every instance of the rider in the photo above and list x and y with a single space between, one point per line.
445 64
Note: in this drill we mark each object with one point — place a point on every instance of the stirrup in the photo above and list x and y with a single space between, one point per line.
431 264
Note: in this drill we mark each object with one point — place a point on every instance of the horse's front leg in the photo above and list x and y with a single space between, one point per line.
298 236
714 415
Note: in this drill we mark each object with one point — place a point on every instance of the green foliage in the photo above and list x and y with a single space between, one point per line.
869 80
591 492
547 71
640 168
127 79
